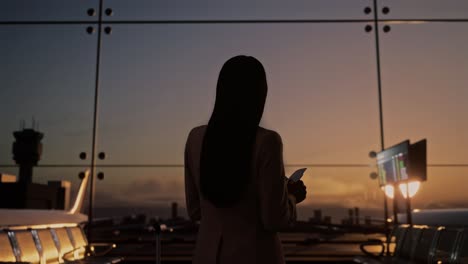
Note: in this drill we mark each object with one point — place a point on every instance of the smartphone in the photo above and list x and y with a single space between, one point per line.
297 175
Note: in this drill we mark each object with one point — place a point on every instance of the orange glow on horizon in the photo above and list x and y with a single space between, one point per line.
413 188
389 191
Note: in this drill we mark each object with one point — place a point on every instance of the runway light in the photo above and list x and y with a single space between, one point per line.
413 188
389 191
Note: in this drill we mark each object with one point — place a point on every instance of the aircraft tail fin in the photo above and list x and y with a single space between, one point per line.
81 194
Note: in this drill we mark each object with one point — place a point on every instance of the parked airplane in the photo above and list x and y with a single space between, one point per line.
37 218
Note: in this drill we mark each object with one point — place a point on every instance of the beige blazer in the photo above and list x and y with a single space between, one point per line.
247 232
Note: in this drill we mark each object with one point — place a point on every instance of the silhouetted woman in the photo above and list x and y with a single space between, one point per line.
234 174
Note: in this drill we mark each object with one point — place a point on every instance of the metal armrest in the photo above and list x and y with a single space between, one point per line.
104 248
90 250
71 255
373 242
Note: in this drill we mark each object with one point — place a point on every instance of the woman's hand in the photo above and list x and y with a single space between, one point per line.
298 189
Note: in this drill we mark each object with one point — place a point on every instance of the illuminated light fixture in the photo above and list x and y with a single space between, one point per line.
413 188
389 191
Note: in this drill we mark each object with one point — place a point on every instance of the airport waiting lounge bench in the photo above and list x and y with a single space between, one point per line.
65 244
421 244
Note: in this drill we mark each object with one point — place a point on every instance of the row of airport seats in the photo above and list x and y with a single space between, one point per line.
48 245
423 244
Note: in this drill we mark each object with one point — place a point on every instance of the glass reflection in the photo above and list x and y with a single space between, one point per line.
424 88
154 92
422 9
48 10
48 82
237 10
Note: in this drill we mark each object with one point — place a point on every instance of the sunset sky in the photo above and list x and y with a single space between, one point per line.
158 81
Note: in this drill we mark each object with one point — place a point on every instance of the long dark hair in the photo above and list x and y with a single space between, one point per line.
226 157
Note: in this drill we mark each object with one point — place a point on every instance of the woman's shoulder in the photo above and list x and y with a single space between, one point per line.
268 134
268 140
195 138
196 131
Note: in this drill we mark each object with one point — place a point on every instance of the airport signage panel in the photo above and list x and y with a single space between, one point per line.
403 162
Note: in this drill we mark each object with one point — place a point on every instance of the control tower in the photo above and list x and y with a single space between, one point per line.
24 193
27 151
